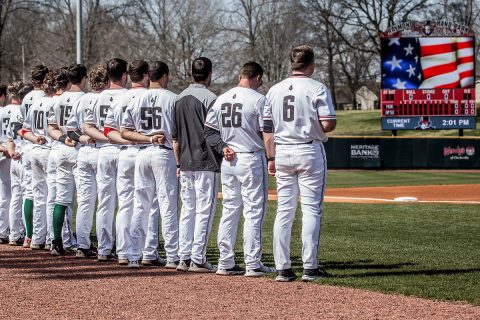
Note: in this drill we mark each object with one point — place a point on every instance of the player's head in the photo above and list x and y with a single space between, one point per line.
138 72
98 78
158 72
252 73
3 94
77 73
202 70
25 90
62 83
117 71
13 89
48 85
38 75
302 59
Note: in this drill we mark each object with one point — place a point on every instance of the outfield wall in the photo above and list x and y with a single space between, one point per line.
403 153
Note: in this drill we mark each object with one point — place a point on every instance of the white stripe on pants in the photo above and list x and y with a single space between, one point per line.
5 194
155 174
17 229
86 193
199 191
243 184
304 175
107 197
125 192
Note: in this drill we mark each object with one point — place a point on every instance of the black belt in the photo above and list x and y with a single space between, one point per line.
124 148
245 152
294 144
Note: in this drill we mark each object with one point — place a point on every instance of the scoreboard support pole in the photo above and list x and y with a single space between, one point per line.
394 133
460 132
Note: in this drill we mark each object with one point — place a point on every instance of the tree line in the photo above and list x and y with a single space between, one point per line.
344 34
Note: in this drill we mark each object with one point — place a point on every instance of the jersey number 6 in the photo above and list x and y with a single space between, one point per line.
288 114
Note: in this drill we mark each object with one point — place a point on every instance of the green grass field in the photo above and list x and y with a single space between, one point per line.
428 251
367 123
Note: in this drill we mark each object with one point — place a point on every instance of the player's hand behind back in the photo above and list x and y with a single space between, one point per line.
70 142
228 154
158 139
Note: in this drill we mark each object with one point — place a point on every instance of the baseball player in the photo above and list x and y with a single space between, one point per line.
3 94
107 157
5 160
297 114
147 122
35 130
137 71
86 169
67 156
233 127
199 165
37 75
14 146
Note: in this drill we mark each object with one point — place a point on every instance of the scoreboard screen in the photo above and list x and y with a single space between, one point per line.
428 77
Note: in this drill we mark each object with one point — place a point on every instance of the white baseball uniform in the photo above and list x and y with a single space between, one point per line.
27 101
5 162
155 172
17 229
238 116
295 107
64 159
106 171
86 171
125 174
37 123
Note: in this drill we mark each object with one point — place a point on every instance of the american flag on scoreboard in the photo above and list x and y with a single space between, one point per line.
424 63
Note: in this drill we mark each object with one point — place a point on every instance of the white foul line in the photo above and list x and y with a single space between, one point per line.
419 201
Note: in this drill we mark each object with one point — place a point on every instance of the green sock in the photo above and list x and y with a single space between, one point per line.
28 215
58 218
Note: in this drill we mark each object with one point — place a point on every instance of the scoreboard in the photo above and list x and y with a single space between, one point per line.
418 109
428 76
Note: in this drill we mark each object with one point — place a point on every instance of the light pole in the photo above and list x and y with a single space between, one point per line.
79 32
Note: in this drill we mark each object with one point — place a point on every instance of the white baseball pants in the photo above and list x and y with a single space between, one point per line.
244 184
86 193
125 192
17 229
155 175
304 175
5 194
199 191
63 161
107 197
40 179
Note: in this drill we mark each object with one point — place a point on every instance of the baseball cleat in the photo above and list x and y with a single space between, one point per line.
4 240
27 242
159 262
235 271
105 257
172 264
57 248
309 275
133 264
71 249
184 265
18 242
123 262
259 272
48 247
286 275
39 246
85 253
202 268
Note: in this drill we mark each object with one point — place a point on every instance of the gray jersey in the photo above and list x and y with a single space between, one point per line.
5 117
77 117
151 114
117 110
37 119
295 107
62 109
238 115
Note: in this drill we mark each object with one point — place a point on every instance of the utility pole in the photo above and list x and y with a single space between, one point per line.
79 33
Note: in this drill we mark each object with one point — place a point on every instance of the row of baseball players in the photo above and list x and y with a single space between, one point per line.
138 148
